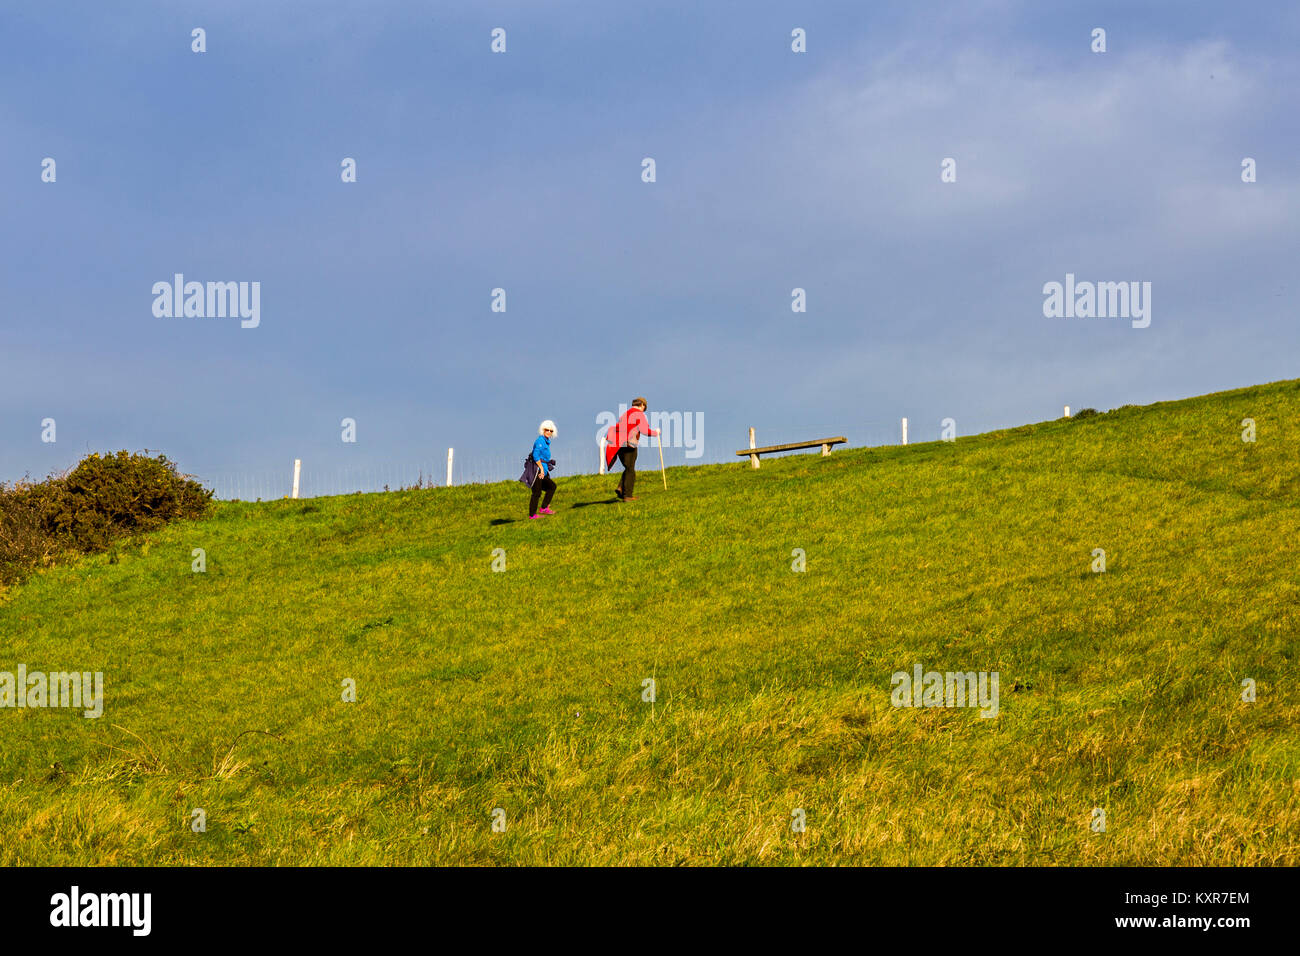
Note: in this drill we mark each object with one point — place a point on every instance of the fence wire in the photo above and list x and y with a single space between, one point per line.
573 458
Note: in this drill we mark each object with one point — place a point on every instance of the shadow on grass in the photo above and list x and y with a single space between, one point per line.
588 504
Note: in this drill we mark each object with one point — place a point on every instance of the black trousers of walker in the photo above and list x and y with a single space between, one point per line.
539 485
627 480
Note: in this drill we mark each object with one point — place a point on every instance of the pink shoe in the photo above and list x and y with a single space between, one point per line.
533 517
546 511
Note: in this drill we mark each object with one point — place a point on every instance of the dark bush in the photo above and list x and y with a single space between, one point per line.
24 544
1086 413
104 497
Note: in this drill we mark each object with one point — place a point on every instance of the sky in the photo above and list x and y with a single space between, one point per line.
522 170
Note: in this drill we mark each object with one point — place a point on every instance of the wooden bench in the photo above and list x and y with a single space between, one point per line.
826 445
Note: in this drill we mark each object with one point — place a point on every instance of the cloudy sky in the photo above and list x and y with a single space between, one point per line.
522 170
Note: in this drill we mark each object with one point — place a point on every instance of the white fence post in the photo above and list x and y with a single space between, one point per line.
753 459
904 431
449 454
1067 411
602 454
297 470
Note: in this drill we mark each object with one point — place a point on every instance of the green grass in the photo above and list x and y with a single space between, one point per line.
523 690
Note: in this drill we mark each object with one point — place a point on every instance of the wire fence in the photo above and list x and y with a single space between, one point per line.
316 481
574 458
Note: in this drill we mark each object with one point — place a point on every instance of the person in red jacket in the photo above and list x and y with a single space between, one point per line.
623 437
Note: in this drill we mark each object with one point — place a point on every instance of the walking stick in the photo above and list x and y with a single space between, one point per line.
661 462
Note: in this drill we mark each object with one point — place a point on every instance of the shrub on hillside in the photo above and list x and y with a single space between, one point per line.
24 544
1086 413
104 497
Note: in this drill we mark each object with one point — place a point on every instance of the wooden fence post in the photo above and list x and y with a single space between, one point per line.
449 454
904 431
297 470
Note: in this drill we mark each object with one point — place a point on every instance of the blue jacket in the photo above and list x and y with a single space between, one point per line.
542 453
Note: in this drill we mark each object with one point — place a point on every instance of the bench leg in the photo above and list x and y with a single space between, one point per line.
826 450
753 460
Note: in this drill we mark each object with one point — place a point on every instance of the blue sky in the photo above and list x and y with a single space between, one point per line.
522 170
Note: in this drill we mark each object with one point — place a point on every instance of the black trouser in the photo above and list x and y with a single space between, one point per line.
627 480
541 484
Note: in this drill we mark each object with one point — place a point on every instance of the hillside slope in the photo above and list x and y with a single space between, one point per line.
523 690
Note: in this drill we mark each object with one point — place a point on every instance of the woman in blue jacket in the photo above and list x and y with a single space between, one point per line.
541 459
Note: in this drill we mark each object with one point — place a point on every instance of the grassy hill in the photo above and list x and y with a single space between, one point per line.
522 690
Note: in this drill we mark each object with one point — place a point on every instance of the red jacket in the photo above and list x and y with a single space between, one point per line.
627 429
